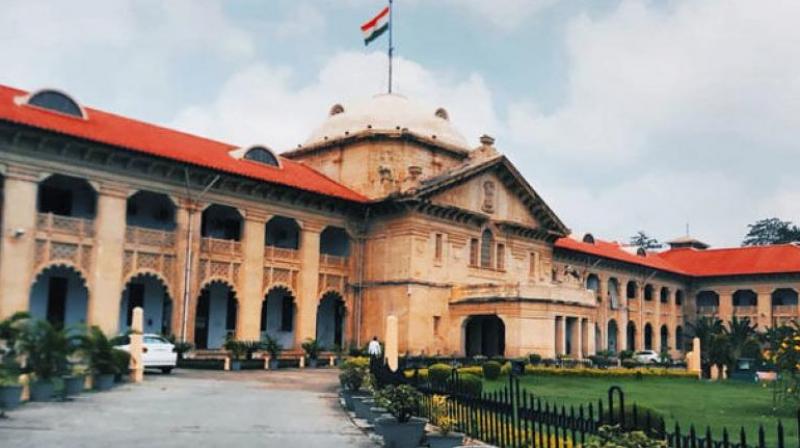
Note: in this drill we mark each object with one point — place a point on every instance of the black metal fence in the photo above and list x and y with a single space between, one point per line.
514 417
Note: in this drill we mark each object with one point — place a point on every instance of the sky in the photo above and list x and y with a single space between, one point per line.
624 115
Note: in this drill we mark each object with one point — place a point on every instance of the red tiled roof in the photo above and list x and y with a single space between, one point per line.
778 259
784 258
150 139
615 251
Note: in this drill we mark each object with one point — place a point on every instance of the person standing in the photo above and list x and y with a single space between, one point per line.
374 352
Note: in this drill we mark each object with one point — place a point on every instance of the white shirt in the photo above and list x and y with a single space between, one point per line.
374 348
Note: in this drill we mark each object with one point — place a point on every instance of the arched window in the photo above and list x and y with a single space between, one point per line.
261 155
648 292
631 290
56 102
487 241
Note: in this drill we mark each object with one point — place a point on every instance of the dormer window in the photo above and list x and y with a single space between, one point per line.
56 101
263 155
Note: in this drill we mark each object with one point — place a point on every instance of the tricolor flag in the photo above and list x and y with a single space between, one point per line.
376 26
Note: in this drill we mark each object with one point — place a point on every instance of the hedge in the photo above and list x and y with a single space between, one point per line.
604 373
491 370
439 374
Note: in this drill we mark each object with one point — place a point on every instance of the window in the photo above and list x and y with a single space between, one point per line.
261 155
437 320
473 252
287 313
534 264
501 257
439 247
56 102
487 241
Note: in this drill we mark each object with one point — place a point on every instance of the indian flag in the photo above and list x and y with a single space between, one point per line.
376 26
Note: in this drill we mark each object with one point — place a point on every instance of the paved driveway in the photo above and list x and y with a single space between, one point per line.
287 408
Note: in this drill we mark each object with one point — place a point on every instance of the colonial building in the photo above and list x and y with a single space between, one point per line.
384 210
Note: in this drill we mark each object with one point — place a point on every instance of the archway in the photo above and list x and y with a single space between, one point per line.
631 290
613 333
744 297
334 241
484 335
282 232
150 293
151 211
649 292
330 320
679 338
278 316
648 336
784 297
593 284
67 196
60 296
664 294
215 317
664 346
221 222
613 293
631 335
707 302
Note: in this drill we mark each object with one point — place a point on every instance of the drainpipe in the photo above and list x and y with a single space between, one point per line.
187 268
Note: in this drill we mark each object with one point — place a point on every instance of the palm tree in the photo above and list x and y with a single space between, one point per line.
45 348
710 331
742 339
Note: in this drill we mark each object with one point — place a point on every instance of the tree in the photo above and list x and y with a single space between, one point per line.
710 331
771 231
742 339
643 241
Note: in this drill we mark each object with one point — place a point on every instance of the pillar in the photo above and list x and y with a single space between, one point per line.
188 218
252 280
560 335
137 363
309 282
390 342
764 306
106 273
576 335
725 305
18 239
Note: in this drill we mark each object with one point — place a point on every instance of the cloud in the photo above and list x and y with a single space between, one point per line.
666 105
504 14
264 103
302 20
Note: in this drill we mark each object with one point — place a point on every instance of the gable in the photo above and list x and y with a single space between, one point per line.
496 189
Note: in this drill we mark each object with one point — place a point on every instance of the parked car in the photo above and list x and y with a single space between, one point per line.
646 357
157 352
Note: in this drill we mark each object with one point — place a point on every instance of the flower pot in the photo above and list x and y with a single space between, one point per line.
274 364
361 406
10 396
73 385
451 440
236 365
375 412
42 390
103 381
400 435
312 362
349 398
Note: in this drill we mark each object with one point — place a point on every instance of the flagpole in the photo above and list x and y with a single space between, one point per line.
391 48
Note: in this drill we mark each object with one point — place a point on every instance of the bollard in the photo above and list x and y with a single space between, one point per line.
266 362
302 362
137 345
391 342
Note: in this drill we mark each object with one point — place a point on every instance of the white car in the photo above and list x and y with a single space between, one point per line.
646 357
157 352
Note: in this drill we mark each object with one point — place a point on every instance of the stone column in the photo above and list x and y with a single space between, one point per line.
252 281
309 282
576 335
18 240
725 305
187 212
106 274
764 306
560 335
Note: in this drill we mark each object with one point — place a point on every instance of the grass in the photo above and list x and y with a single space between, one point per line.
687 401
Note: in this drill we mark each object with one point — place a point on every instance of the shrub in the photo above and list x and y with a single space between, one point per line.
312 348
356 361
615 437
351 378
439 415
99 352
272 346
438 374
45 348
630 363
237 349
122 361
472 370
468 384
182 347
626 354
505 370
652 426
491 370
535 358
603 373
401 401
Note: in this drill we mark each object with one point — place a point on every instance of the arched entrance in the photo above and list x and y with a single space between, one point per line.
150 293
484 335
277 316
613 333
60 296
215 317
664 346
330 320
648 336
631 335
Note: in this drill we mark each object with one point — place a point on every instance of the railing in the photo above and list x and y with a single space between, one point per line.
68 225
272 253
221 247
149 237
707 310
784 310
745 310
514 417
332 261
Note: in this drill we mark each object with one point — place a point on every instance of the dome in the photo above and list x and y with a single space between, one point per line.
387 113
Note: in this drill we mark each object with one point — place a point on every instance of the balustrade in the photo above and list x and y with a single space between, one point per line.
221 247
272 253
784 310
149 237
707 310
332 261
65 225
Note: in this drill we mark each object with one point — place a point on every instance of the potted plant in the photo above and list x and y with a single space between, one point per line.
401 430
312 349
445 437
273 347
338 352
10 369
45 348
351 378
100 354
75 380
181 348
122 361
237 350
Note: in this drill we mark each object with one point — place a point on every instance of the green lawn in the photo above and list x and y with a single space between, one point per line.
718 405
